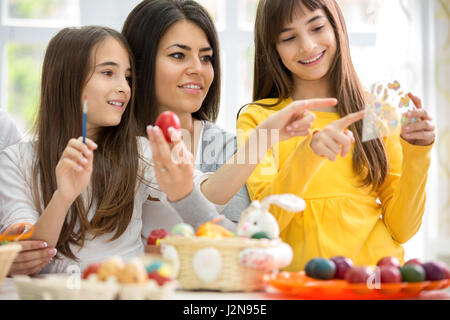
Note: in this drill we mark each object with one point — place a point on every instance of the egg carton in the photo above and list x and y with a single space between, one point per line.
72 287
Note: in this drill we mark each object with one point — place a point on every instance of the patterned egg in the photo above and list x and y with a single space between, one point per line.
320 268
133 273
110 268
165 271
184 230
155 266
261 235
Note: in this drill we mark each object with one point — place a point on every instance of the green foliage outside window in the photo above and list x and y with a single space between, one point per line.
24 71
32 9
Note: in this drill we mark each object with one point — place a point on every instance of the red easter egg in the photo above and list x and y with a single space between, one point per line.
166 120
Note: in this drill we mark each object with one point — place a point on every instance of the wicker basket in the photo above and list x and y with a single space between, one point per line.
7 255
233 277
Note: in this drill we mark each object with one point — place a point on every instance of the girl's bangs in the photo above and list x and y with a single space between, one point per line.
284 14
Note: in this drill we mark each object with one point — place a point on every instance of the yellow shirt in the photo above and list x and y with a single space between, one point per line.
341 217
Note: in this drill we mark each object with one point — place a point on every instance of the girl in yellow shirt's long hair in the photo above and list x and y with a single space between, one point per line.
369 200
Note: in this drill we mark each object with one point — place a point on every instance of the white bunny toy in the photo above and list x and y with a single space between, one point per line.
257 217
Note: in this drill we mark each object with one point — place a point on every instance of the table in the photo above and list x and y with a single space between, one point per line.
8 292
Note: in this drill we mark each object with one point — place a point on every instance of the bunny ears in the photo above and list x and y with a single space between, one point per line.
289 202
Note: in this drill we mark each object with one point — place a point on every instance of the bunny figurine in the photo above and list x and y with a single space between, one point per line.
257 217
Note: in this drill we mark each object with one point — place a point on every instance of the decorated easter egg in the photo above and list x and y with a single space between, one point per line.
133 273
360 274
342 264
165 271
166 120
110 268
434 271
389 261
161 280
390 274
414 261
91 269
155 266
155 235
412 273
184 230
261 235
320 268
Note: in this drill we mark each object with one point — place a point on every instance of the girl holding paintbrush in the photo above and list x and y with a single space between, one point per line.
88 207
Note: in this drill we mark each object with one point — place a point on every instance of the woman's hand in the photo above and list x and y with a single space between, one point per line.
74 169
174 167
335 139
33 257
295 120
422 132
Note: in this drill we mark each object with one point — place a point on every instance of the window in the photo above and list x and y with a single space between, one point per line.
26 27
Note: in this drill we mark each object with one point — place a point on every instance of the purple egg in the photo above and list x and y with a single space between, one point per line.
434 271
343 264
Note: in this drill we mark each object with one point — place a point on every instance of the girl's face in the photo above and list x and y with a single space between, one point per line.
107 90
307 45
184 70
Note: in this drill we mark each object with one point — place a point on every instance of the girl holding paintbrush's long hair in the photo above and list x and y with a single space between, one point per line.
88 207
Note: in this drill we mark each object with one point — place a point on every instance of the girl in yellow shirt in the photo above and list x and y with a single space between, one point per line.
368 198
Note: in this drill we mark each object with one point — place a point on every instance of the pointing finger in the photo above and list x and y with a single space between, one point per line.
416 100
315 103
348 120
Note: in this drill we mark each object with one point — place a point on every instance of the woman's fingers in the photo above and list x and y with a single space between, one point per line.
323 150
416 100
302 124
330 142
348 120
425 125
422 136
421 114
28 268
40 254
76 156
180 155
70 164
32 245
78 145
161 152
344 142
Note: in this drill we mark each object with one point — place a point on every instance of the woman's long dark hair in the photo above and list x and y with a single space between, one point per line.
67 68
273 80
144 29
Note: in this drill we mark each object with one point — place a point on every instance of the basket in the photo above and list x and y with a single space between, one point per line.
7 255
231 276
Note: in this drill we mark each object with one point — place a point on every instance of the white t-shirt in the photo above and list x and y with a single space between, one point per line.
16 205
155 215
8 131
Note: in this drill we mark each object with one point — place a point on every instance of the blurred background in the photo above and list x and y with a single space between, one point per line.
404 40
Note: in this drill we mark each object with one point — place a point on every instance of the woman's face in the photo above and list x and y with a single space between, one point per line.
184 70
107 90
307 45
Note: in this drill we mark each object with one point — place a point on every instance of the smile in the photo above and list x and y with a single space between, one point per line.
116 104
315 59
191 86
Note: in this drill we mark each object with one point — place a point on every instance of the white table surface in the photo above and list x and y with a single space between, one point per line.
8 292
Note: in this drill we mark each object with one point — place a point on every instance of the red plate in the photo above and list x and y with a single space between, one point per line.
304 287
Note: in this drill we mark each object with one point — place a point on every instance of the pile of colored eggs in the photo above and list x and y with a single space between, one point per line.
134 272
388 270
